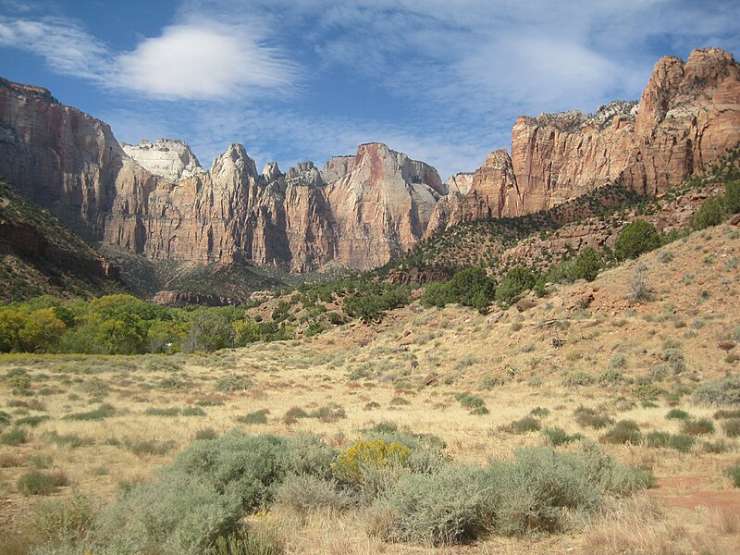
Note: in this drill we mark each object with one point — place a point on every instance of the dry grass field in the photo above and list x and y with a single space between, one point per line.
485 384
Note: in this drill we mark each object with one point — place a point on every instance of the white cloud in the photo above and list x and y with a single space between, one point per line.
65 46
195 60
202 60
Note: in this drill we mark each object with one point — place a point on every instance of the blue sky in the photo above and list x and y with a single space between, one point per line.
442 80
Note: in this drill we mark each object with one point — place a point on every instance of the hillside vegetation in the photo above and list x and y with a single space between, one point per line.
572 403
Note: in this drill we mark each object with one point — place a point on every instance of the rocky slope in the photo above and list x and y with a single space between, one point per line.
687 117
38 255
359 211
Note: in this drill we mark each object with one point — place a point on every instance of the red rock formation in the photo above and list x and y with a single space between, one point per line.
687 117
359 210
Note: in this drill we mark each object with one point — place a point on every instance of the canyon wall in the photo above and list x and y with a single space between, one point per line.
359 210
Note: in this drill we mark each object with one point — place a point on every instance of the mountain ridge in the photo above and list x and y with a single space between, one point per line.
363 210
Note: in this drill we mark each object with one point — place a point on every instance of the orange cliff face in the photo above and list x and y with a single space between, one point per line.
687 118
360 210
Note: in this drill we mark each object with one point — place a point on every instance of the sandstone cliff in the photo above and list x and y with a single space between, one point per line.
172 159
360 210
155 199
687 117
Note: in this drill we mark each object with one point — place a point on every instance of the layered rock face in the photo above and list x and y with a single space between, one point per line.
359 210
687 118
156 200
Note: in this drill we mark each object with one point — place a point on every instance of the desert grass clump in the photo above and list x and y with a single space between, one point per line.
640 290
233 383
721 414
473 403
697 427
14 436
557 436
59 522
70 440
206 433
293 414
148 447
578 379
163 411
717 447
719 392
624 431
587 417
539 412
522 426
679 442
102 412
731 427
37 482
677 414
329 413
733 473
31 421
256 417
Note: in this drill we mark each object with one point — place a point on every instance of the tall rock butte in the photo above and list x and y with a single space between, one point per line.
360 210
687 118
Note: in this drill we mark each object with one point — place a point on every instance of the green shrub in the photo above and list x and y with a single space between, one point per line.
731 427
697 427
37 482
732 196
204 493
437 294
516 281
624 431
534 492
720 392
469 287
447 507
712 212
635 239
366 454
557 436
305 492
473 403
586 265
677 414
